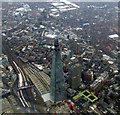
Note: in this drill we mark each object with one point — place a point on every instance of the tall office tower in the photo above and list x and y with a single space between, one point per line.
57 76
76 47
118 60
75 75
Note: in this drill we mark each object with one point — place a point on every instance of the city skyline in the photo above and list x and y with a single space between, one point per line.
60 57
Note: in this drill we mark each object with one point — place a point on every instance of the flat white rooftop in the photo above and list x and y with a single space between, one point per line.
46 97
67 2
113 36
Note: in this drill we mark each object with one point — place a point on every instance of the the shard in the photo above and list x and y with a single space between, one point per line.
57 76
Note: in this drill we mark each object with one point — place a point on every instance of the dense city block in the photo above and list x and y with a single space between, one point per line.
60 57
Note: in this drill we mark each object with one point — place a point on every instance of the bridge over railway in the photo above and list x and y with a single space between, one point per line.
21 86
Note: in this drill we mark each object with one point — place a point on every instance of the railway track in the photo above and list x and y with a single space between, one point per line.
39 79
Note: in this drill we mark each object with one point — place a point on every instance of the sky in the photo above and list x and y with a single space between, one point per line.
58 0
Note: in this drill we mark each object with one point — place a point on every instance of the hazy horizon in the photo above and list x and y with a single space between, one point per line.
59 0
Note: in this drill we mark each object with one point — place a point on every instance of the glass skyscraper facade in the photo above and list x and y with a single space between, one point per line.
57 76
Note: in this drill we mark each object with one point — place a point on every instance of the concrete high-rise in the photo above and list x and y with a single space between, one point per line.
75 75
57 76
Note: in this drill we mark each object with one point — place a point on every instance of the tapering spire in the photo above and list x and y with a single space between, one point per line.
57 76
